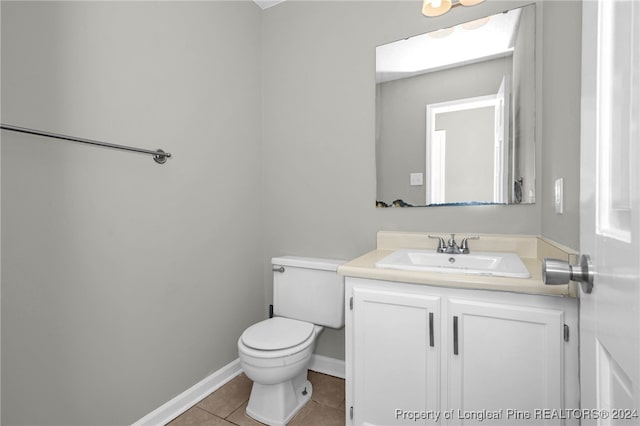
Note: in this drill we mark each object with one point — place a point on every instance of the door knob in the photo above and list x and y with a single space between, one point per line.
555 271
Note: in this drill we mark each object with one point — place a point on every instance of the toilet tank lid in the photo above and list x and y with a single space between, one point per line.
308 262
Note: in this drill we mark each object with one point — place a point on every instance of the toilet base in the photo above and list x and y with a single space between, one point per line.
276 404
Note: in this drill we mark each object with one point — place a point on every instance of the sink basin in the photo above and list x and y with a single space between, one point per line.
477 263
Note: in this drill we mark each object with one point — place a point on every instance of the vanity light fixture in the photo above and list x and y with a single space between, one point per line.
432 8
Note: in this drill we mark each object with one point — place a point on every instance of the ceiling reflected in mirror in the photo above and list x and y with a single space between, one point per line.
448 47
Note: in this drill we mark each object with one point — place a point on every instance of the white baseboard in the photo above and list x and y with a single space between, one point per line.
187 399
324 364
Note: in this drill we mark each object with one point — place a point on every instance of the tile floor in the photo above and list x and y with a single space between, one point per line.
226 406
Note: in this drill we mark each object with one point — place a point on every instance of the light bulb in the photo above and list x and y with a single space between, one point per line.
435 7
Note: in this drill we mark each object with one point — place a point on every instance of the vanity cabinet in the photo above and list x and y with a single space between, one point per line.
419 354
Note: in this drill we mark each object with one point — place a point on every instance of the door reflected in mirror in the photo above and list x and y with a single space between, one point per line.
455 113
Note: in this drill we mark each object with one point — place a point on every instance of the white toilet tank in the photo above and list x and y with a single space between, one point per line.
309 289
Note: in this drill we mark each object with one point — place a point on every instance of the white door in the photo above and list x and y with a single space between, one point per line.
610 211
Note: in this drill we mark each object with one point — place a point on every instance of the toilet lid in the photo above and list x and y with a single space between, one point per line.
277 333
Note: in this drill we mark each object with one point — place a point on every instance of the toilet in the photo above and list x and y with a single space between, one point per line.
308 295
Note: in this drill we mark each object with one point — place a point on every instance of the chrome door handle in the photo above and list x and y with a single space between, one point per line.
555 271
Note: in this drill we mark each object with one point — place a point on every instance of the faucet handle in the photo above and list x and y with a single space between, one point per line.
442 247
464 246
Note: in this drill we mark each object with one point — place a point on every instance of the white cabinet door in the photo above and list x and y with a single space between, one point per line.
504 357
396 354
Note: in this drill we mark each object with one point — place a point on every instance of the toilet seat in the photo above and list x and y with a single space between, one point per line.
276 334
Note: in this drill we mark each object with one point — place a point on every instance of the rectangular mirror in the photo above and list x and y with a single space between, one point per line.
455 114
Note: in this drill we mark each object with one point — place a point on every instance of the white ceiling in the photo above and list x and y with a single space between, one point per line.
265 4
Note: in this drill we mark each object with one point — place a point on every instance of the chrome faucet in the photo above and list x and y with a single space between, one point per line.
451 247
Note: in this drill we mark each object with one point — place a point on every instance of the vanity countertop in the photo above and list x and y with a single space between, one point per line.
530 249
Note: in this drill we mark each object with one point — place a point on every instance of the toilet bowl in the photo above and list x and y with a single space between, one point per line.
275 353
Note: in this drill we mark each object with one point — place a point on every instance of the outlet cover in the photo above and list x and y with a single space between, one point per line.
416 179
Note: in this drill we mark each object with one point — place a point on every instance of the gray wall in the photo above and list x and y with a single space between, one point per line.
469 159
319 130
561 120
125 282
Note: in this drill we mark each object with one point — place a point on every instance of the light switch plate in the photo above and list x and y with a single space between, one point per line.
416 179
